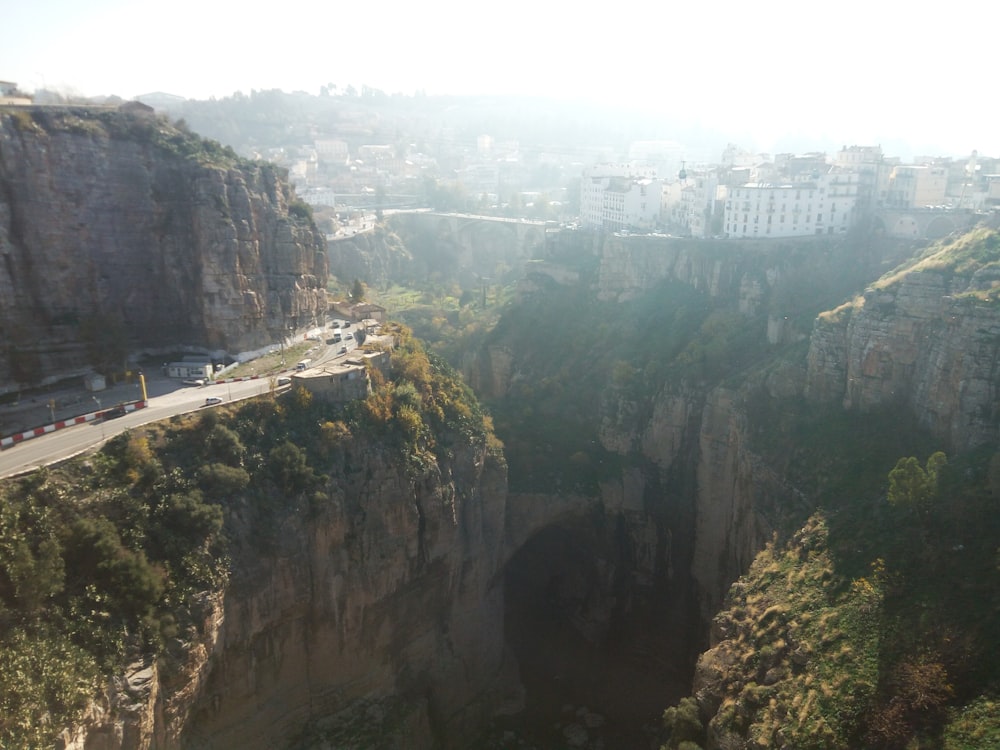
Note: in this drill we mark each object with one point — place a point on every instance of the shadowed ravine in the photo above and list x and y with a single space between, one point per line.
593 649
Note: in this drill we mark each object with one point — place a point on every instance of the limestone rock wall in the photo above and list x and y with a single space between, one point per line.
111 216
372 616
737 500
377 258
929 341
380 613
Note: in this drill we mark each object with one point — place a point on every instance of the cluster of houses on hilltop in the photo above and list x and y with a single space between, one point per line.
748 196
744 195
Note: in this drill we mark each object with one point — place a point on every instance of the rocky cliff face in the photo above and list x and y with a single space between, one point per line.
373 618
379 619
924 338
927 338
110 219
378 258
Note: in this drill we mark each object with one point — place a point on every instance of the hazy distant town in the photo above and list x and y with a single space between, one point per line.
361 153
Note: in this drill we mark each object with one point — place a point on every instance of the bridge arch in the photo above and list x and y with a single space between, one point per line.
445 230
940 226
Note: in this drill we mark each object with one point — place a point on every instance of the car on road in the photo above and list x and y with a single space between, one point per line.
349 337
193 381
115 411
212 401
343 350
284 381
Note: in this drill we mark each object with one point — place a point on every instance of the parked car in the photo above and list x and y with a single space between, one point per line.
212 401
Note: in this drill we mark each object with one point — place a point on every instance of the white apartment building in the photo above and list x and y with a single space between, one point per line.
620 196
825 205
873 173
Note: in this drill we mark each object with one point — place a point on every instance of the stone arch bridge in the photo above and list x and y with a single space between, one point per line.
923 223
482 241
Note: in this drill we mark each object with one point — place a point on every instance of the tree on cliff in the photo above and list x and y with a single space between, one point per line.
911 486
357 291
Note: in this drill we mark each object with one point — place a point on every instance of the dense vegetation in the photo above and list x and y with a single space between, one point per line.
104 559
874 626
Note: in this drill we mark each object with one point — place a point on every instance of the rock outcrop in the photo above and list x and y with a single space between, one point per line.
377 258
117 220
926 338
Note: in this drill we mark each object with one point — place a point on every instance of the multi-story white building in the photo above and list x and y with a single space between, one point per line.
620 196
825 205
872 170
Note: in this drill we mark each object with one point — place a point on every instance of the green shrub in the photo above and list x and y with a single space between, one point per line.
221 480
684 724
299 209
289 468
45 681
224 445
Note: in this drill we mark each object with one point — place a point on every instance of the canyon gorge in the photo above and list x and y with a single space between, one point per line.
558 587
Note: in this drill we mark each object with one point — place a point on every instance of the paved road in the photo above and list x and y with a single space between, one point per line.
62 444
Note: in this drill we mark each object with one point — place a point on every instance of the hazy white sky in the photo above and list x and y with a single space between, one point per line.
768 71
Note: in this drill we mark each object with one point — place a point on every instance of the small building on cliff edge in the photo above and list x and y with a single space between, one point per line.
342 381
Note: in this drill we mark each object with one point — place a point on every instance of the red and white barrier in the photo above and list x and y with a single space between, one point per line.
235 380
21 436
